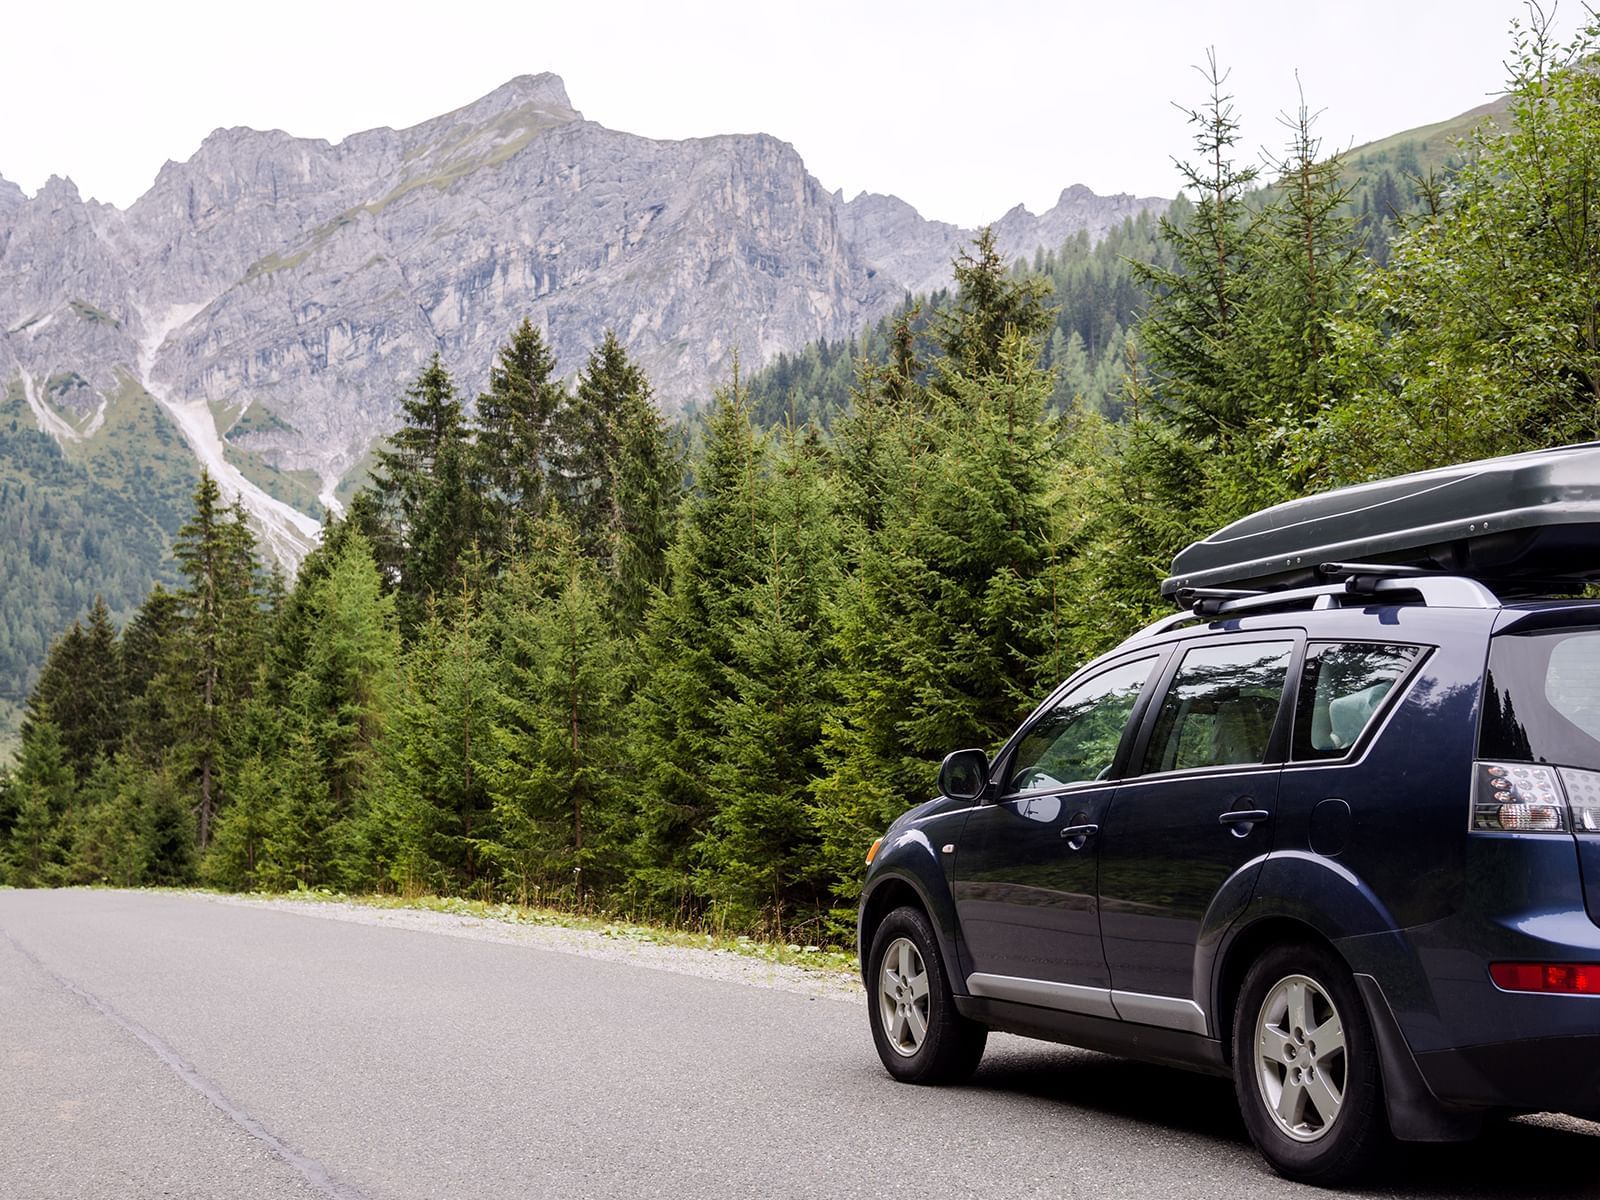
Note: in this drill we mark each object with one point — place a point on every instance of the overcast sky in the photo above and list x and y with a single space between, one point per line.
962 108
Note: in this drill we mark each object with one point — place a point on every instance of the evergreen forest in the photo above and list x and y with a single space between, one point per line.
560 652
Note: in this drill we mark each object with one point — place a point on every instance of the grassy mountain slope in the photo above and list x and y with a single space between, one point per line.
93 518
1095 292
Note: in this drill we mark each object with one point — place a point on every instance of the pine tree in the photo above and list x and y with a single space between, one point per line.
1194 302
758 859
343 693
516 447
426 513
45 792
685 650
108 845
238 850
553 720
943 626
215 659
990 300
435 813
619 477
81 690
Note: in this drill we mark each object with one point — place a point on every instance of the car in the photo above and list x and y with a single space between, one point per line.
1332 829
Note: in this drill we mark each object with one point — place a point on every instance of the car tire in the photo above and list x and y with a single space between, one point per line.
920 1036
1306 1068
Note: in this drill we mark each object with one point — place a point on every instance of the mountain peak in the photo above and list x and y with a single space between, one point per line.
544 90
61 189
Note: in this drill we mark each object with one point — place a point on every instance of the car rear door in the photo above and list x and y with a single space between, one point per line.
1195 809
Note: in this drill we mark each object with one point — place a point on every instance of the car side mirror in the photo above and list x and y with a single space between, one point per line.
964 775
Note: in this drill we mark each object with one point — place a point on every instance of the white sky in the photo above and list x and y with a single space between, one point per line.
962 107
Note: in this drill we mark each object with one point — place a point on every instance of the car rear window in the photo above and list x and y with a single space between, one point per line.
1542 699
1342 688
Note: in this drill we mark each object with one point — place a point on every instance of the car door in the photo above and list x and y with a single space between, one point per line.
1195 808
1024 871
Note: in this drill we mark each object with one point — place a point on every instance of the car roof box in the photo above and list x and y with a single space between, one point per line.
1522 524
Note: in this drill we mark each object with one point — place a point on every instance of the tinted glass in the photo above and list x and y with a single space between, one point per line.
1221 707
1077 739
1542 699
1343 686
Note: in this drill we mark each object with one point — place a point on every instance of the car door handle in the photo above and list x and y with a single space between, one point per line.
1242 821
1076 835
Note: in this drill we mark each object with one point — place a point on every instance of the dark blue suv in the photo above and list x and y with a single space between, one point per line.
1335 834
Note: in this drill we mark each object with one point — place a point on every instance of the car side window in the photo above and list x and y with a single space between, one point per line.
1220 708
1342 688
1077 739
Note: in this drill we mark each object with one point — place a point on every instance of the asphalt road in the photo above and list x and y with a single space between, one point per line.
163 1045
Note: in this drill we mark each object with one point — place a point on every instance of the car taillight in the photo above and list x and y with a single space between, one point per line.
1568 979
1517 798
1583 798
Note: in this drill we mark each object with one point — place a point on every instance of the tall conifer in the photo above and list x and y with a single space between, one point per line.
516 447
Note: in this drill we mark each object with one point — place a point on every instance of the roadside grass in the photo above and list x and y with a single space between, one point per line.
609 925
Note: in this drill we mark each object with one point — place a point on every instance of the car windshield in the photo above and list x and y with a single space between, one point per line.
1542 699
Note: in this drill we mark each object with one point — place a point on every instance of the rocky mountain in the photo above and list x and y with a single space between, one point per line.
916 253
274 294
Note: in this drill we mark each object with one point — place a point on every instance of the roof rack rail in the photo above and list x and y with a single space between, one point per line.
1333 570
1434 591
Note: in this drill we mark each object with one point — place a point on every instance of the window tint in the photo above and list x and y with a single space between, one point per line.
1341 689
1221 707
1542 699
1078 738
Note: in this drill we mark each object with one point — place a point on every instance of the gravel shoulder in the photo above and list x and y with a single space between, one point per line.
630 946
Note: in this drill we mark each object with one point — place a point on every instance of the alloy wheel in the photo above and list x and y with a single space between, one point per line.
1300 1058
903 996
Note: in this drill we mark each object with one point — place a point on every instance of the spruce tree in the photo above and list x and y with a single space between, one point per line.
1195 301
943 626
435 814
108 843
1482 336
343 693
516 446
81 690
553 724
990 300
426 512
148 647
238 850
301 846
685 650
44 793
166 829
619 477
758 859
215 659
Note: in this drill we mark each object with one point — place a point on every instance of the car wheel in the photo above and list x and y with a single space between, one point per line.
1305 1067
920 1036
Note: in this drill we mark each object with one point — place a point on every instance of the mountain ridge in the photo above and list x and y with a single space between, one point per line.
105 352
218 282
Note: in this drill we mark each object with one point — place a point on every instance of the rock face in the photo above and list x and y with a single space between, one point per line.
276 294
916 253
